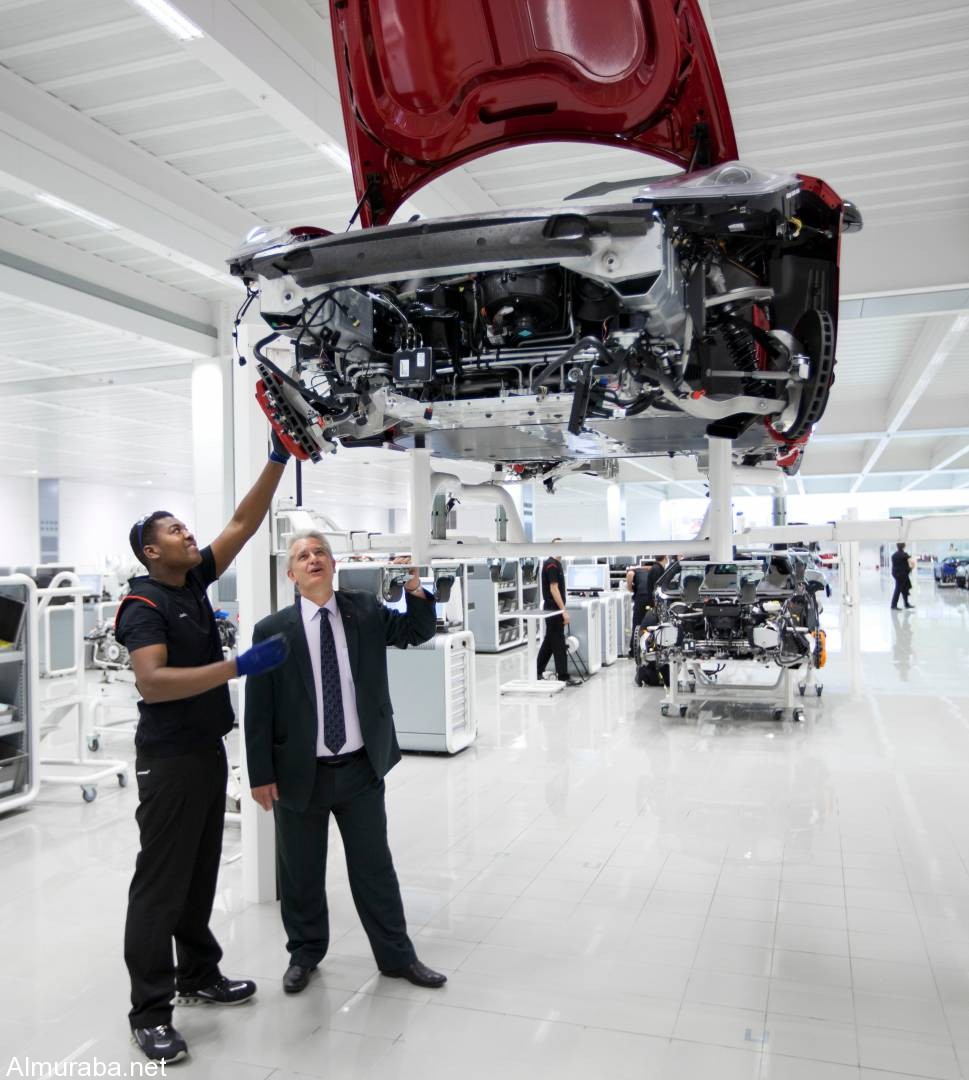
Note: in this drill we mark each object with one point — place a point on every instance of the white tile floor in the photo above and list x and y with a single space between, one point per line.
612 893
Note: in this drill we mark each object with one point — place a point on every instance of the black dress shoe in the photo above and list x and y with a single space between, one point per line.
419 974
296 978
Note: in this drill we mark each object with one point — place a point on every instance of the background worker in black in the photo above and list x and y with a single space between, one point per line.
553 643
641 582
167 624
902 565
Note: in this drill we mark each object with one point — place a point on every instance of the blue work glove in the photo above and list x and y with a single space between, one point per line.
279 453
264 656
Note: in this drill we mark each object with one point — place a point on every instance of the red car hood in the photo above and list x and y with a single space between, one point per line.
427 85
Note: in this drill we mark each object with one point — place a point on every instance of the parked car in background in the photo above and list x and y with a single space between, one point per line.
945 569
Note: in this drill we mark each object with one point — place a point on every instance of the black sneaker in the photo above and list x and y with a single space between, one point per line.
161 1043
222 992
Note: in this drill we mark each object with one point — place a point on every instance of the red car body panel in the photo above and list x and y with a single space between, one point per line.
428 85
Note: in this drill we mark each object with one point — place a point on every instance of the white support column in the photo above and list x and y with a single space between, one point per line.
615 509
208 447
420 505
253 575
721 513
849 566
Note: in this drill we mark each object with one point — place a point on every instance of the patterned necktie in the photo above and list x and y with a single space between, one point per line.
334 729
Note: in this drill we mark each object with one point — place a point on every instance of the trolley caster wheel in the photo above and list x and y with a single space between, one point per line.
683 710
818 690
89 794
777 714
664 710
93 743
122 779
798 716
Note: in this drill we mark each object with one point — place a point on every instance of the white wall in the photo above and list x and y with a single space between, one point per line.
95 519
20 532
644 519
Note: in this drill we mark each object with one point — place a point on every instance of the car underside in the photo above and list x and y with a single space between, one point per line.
543 339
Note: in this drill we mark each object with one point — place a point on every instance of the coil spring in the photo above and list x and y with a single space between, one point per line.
740 346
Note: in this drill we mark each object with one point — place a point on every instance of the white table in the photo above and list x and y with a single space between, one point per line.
532 617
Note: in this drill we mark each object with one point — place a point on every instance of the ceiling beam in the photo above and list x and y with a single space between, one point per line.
70 264
942 460
280 57
931 351
46 146
105 310
654 473
87 380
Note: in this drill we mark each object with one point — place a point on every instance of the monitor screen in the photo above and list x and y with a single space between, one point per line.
587 577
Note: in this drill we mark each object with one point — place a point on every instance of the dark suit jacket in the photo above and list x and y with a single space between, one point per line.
901 571
280 717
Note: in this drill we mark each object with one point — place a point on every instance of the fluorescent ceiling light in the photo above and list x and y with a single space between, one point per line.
337 155
169 17
77 211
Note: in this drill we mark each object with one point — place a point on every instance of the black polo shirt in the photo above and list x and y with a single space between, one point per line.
181 619
552 575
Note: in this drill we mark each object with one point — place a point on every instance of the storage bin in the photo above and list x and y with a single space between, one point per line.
13 769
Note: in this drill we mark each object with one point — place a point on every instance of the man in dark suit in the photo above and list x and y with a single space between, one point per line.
902 566
319 739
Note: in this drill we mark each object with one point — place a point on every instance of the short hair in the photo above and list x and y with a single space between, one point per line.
901 545
306 534
143 532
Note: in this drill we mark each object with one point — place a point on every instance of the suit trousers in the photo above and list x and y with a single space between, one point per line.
553 645
355 796
903 586
180 815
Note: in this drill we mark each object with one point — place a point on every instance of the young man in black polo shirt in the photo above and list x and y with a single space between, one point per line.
553 643
167 625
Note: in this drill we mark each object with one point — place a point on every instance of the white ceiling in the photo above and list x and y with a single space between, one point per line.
183 147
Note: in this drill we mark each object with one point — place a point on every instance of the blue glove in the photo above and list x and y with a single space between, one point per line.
279 453
264 656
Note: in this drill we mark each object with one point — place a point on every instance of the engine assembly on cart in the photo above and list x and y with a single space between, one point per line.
707 615
539 339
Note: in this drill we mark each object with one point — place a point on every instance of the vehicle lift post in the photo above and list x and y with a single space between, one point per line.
721 512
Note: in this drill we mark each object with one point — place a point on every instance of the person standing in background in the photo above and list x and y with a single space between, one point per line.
641 582
553 643
902 566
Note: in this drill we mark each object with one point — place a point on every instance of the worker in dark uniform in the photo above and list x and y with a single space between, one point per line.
641 582
902 565
168 627
553 643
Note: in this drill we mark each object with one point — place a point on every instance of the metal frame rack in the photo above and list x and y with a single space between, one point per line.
493 608
19 735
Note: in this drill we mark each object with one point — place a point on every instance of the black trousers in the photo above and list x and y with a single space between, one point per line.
356 798
903 586
553 645
641 604
181 812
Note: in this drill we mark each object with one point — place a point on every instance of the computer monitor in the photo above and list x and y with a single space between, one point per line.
587 577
